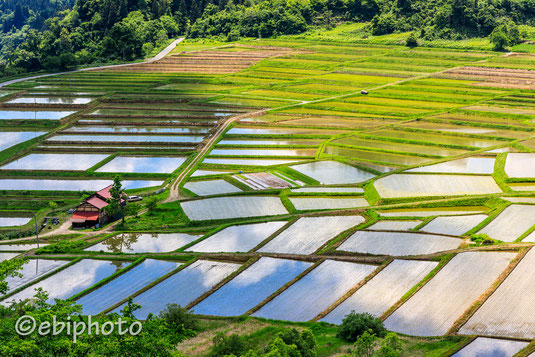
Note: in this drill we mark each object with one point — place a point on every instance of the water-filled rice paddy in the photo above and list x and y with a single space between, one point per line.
287 142
71 280
431 311
209 172
211 187
183 287
435 138
508 312
308 234
233 207
7 256
56 162
50 100
127 138
264 152
34 114
316 291
125 285
455 226
471 165
143 243
412 185
484 346
429 212
317 203
383 290
333 172
241 238
138 129
520 165
13 221
32 270
71 185
22 247
328 190
394 225
511 223
249 162
12 138
376 156
251 287
397 243
143 164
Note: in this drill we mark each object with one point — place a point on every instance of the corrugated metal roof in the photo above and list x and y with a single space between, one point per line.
97 202
80 216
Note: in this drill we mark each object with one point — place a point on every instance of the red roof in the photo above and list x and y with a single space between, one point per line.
80 216
97 202
105 192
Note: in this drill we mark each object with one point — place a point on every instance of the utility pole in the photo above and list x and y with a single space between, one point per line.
36 233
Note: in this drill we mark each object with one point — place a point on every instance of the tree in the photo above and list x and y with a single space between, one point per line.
499 39
227 345
355 324
179 318
9 268
365 344
118 199
411 41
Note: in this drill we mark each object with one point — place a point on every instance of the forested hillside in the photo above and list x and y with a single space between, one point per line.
57 34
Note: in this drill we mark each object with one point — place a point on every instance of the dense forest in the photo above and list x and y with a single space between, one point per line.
58 34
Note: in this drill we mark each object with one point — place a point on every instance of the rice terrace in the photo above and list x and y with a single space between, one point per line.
283 182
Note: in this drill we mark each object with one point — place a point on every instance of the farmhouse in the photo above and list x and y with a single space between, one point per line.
91 211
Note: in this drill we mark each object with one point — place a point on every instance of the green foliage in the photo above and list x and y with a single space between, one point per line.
482 239
411 41
304 341
356 324
155 338
152 203
366 345
61 247
179 318
9 268
505 35
228 345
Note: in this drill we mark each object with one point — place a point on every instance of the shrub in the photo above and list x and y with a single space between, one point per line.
228 345
304 341
62 247
411 41
179 318
354 325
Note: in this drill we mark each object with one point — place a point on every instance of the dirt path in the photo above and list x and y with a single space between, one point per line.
159 56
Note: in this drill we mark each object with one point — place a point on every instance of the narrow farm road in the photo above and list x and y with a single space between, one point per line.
159 56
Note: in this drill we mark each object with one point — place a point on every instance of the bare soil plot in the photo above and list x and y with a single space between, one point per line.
211 62
509 310
438 304
511 223
262 181
383 290
183 287
211 187
240 238
308 234
496 77
333 172
412 185
315 292
483 346
397 243
233 207
251 287
317 203
470 165
520 165
455 226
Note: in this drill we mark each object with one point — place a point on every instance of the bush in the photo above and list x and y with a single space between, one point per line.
62 247
411 41
354 325
228 345
179 318
304 341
